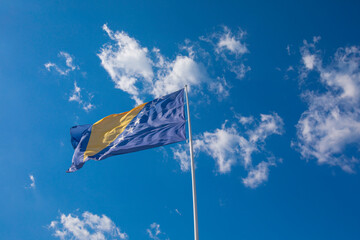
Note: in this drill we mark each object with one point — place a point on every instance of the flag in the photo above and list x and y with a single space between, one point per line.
152 124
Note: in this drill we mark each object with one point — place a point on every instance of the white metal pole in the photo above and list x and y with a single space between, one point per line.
196 231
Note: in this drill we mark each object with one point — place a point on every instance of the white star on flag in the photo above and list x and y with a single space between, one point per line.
137 121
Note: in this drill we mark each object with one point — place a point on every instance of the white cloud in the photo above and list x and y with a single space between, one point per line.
126 62
269 124
136 70
231 48
32 179
76 97
309 61
183 70
225 145
316 39
51 65
69 65
68 60
245 120
257 175
89 227
229 146
227 41
182 156
88 106
310 57
240 70
220 88
154 231
330 127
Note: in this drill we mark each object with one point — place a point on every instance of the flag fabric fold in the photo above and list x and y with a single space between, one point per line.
152 124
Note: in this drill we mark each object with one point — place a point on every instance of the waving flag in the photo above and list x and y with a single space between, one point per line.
152 124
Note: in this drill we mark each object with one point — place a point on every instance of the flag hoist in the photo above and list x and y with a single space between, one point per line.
152 124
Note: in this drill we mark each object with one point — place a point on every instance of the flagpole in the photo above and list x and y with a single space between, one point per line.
196 231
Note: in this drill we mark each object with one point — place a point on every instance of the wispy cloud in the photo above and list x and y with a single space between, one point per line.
230 47
244 120
177 211
69 61
290 68
229 146
76 97
32 179
155 233
182 156
288 49
310 57
66 69
69 66
330 126
87 226
137 70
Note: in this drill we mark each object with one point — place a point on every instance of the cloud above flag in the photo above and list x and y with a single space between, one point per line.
76 96
138 70
84 100
64 69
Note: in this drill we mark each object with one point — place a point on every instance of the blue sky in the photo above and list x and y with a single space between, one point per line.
275 107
